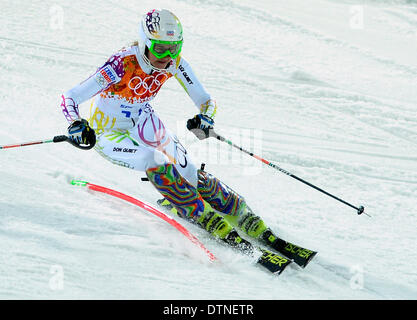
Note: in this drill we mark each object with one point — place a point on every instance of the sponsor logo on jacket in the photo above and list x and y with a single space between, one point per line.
128 150
105 76
185 74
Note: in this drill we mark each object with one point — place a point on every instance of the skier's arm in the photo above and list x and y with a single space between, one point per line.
77 95
198 94
202 123
104 77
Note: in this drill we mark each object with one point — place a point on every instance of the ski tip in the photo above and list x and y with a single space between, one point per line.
307 261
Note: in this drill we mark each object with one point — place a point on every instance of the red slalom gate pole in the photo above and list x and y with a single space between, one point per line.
148 208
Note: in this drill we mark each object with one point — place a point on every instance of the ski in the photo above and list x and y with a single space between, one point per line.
268 260
273 262
301 256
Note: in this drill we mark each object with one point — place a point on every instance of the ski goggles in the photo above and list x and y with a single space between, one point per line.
161 49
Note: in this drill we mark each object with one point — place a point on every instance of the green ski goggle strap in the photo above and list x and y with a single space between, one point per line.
161 49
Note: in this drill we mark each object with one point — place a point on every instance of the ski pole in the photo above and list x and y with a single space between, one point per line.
359 209
55 139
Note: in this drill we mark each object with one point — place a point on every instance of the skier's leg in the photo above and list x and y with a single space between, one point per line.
189 204
153 149
152 132
120 148
145 134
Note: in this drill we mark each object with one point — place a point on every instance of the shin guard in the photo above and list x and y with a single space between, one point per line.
220 196
167 180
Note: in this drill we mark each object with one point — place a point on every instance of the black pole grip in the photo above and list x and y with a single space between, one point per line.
60 138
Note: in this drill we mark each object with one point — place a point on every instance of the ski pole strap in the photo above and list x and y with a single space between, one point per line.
79 146
359 209
67 139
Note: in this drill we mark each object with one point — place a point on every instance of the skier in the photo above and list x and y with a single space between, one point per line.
124 128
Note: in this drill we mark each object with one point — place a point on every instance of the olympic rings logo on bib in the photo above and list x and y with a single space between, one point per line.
149 84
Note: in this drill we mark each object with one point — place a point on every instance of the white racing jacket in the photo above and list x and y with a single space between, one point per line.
124 85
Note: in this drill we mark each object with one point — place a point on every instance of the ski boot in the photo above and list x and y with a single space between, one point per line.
219 227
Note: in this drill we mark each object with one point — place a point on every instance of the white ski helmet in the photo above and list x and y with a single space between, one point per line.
161 32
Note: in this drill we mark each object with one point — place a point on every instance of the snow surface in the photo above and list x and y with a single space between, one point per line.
325 89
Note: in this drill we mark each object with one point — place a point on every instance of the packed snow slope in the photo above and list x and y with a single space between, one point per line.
326 89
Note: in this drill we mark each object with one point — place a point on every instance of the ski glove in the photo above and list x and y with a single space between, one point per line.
201 125
79 132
